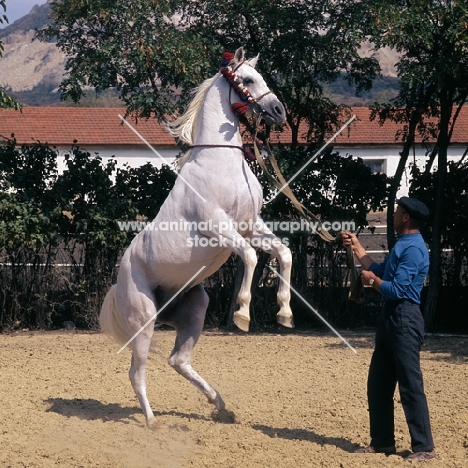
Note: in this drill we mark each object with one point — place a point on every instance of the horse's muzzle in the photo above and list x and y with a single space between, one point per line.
272 111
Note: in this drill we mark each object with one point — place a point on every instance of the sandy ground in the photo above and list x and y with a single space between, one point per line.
298 399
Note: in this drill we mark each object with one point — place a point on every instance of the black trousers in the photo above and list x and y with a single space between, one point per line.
398 341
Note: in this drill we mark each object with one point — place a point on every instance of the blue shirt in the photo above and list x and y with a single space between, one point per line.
404 270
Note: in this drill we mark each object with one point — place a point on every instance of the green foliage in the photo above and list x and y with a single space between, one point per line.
28 233
26 177
3 17
7 102
155 53
455 209
59 238
336 187
134 47
149 186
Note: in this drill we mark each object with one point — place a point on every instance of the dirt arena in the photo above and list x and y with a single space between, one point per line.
298 400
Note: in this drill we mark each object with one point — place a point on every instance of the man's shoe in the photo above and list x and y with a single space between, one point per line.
370 449
422 455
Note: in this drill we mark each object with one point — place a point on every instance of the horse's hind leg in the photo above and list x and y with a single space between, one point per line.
187 317
140 307
140 348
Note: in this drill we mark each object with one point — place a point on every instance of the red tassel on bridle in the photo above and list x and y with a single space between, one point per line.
226 59
239 108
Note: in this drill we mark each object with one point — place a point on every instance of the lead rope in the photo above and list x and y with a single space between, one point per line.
282 186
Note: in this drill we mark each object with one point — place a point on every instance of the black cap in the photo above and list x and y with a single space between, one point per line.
416 209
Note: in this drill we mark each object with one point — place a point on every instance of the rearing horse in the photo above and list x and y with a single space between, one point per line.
218 199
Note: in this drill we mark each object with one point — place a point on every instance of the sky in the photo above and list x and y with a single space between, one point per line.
17 8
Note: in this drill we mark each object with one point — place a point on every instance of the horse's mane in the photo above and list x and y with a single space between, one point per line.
182 127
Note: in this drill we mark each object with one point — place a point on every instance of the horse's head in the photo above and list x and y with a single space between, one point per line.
252 95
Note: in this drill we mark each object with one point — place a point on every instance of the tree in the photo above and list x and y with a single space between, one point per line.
134 47
301 47
6 101
154 53
432 38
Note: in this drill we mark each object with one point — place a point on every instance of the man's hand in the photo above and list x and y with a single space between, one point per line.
368 278
348 238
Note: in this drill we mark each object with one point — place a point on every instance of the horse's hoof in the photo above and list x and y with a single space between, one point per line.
285 320
224 416
218 402
154 425
241 321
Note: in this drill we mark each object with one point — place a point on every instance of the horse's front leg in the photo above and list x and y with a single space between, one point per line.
232 240
264 239
242 316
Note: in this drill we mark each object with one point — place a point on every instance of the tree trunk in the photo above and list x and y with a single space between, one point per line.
413 120
394 186
434 269
413 117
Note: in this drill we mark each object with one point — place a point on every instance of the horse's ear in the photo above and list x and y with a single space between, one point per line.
253 62
239 55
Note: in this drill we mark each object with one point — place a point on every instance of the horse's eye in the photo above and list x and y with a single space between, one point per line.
247 81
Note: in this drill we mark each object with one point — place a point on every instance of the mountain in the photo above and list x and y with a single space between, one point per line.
31 71
38 17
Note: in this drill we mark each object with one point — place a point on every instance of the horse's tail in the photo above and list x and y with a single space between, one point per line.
110 320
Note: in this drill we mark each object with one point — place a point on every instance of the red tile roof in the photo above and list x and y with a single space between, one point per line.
364 132
102 126
88 126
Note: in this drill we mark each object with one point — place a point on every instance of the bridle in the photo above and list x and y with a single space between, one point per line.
240 109
248 102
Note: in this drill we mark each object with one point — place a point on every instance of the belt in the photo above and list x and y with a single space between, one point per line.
397 302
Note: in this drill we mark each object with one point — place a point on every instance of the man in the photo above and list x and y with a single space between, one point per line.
399 335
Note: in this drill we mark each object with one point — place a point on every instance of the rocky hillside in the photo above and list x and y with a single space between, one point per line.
38 17
31 71
27 64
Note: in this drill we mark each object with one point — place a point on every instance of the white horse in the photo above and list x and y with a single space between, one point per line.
217 199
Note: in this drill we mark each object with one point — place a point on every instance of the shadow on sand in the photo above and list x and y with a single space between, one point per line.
93 410
306 435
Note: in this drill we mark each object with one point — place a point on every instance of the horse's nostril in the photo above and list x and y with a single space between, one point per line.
278 110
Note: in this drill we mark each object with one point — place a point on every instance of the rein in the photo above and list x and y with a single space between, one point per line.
282 185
